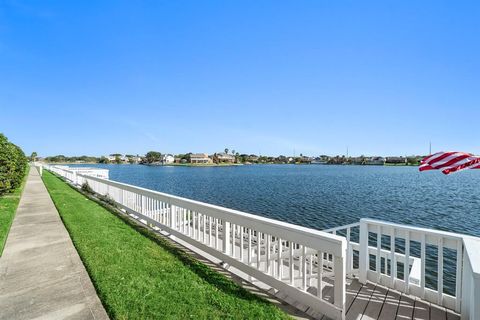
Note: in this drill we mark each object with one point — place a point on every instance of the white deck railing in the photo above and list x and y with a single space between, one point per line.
350 232
292 259
382 246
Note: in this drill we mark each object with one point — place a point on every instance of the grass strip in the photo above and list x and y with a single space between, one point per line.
8 207
137 277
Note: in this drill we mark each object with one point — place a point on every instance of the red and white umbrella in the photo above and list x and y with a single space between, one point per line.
450 162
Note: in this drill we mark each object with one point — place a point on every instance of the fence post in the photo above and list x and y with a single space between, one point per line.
470 306
340 274
363 253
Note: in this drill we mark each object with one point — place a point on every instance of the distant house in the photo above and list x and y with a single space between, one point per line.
136 159
225 157
281 159
200 158
113 157
305 159
396 160
379 161
168 159
358 160
252 158
319 160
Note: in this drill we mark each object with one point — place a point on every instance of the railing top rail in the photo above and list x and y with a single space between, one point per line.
64 169
434 232
351 225
67 168
315 239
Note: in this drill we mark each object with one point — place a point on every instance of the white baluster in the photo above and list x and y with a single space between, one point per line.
440 271
319 273
406 265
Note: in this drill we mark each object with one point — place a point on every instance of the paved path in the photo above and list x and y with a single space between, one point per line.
41 274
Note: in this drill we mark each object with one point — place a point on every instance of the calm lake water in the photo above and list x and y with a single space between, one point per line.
323 196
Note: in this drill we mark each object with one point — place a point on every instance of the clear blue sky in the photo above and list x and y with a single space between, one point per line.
98 77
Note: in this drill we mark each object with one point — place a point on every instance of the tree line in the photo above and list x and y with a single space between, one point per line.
13 165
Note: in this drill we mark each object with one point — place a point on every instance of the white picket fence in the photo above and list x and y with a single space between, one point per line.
296 260
292 259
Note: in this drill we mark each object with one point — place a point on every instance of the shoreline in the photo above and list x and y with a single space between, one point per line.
239 164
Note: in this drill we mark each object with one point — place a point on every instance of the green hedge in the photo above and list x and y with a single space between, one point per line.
13 164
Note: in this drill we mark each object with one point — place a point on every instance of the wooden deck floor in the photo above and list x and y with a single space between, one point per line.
372 301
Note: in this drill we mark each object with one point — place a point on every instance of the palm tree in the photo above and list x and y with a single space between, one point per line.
226 150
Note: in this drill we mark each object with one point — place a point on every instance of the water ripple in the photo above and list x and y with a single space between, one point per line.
324 196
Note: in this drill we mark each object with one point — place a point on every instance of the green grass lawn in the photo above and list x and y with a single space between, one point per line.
8 207
139 278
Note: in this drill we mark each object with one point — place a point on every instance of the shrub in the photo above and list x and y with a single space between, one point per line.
86 188
108 200
13 164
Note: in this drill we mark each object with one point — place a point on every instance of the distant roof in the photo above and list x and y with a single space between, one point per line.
223 154
199 155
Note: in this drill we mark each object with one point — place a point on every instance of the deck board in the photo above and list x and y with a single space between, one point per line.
360 303
375 304
390 306
421 310
352 291
405 308
437 313
452 316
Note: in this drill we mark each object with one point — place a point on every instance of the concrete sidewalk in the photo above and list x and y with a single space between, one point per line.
41 274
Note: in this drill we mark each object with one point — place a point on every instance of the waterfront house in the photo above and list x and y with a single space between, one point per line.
358 160
379 161
200 158
319 160
304 159
224 158
168 159
281 159
396 160
135 159
113 157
